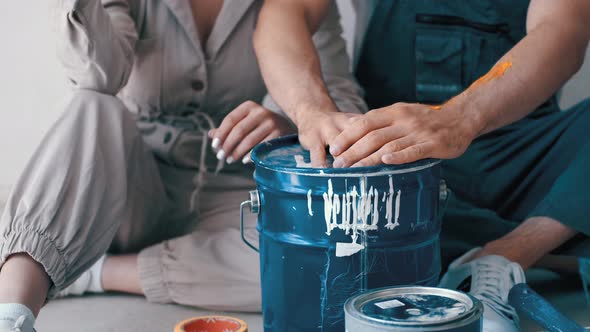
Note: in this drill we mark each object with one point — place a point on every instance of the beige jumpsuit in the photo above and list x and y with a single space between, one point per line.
104 179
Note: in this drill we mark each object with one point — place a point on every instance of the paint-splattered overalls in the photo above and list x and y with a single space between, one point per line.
428 51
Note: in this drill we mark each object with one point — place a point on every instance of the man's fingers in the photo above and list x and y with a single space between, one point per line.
410 154
352 132
366 146
317 155
391 147
233 118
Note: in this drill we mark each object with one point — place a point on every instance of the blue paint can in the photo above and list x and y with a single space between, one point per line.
328 234
411 309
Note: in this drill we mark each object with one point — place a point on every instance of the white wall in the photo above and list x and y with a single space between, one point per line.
31 81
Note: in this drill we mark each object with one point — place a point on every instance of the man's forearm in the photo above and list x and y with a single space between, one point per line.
288 59
524 78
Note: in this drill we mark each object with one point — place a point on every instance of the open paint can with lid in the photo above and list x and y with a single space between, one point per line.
413 308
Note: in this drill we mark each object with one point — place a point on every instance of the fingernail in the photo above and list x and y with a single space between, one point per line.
220 155
229 160
246 160
334 150
215 143
338 163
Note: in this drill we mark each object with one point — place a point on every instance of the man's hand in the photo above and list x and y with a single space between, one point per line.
245 127
319 128
402 133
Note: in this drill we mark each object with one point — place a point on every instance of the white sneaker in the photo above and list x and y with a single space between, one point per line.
15 317
89 282
488 279
21 325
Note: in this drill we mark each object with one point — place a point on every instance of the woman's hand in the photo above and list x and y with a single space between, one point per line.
403 133
245 127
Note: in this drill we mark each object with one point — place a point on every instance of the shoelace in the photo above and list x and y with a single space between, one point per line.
489 285
18 324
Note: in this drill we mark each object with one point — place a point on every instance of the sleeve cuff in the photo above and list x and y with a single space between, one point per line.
72 5
152 276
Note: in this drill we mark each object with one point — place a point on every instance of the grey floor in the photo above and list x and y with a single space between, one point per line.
132 313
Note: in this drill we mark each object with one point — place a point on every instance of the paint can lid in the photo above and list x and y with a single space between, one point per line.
413 306
287 155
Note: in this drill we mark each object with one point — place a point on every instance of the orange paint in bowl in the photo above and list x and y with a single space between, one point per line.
212 324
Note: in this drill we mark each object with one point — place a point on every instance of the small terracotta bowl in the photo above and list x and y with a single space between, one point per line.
212 324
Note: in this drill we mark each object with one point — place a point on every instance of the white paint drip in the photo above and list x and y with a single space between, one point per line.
300 161
389 204
353 222
374 225
309 210
389 214
335 211
328 206
397 204
358 211
344 249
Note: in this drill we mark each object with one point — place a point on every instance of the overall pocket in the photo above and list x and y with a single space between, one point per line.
452 52
438 65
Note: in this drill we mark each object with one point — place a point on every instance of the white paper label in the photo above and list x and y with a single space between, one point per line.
347 249
390 304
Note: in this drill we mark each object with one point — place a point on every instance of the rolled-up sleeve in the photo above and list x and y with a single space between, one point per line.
96 41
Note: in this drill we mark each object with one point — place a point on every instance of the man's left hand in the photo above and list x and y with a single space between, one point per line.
403 133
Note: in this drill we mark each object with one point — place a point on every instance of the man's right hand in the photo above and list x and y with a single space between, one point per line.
317 128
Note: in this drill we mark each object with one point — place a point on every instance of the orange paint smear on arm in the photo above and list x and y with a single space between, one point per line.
496 71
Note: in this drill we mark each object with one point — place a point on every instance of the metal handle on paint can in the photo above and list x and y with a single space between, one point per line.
254 204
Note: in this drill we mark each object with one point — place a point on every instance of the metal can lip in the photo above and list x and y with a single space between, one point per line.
354 307
263 149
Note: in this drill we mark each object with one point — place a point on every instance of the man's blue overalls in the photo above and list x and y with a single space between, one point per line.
427 51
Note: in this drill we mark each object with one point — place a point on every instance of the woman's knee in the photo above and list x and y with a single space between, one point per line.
84 105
